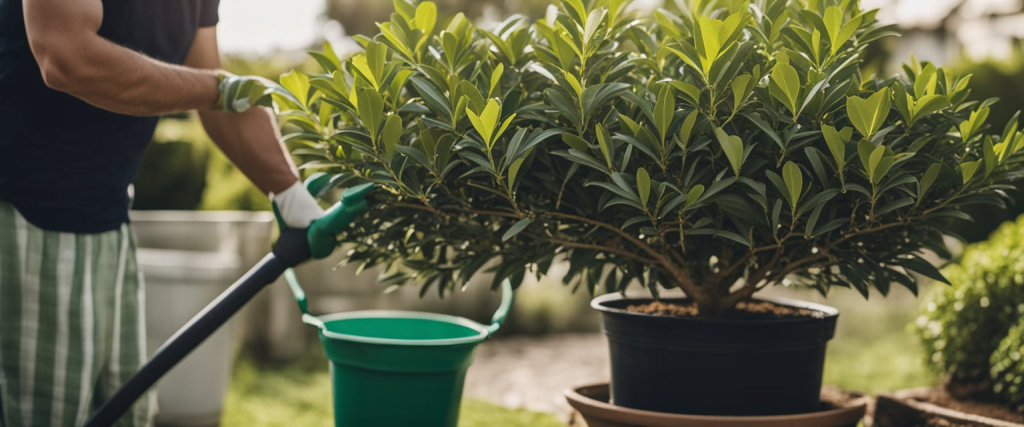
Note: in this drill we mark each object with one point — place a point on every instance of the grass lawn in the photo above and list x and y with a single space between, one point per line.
299 394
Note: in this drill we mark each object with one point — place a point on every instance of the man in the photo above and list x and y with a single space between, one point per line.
81 84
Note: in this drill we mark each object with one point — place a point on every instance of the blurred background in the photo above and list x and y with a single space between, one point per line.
201 223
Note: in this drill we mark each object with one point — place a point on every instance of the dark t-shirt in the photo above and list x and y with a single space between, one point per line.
64 164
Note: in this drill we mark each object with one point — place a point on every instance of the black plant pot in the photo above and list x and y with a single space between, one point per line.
763 366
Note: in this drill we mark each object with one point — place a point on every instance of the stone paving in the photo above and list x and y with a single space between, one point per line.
531 372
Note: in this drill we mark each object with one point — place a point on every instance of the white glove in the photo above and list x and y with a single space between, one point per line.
296 206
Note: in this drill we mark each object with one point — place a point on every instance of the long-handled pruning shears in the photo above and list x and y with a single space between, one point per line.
293 247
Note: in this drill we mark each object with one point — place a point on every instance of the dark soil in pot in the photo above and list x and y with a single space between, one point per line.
837 409
934 407
753 362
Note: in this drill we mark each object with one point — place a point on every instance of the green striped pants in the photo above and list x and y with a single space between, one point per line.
72 325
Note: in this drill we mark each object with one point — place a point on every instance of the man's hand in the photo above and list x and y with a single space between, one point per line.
296 208
74 59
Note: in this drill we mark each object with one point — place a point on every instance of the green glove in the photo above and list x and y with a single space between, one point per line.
239 93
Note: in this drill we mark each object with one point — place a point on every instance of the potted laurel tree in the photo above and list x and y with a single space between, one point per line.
720 150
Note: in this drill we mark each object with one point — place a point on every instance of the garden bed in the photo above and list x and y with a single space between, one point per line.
932 406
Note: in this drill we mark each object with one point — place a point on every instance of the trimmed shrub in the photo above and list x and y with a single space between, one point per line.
963 324
1008 367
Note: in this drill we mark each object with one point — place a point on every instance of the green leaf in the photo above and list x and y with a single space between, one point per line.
600 95
990 157
859 114
298 85
864 150
873 160
691 91
432 96
664 109
513 171
496 79
838 34
604 141
328 52
487 120
325 113
868 115
883 167
784 85
371 110
643 185
426 17
404 8
794 180
847 134
732 146
468 90
633 126
967 170
516 228
970 127
415 154
371 63
833 19
575 142
694 194
722 233
444 151
594 22
576 7
925 81
929 178
927 105
687 131
575 83
392 134
503 128
740 89
924 268
836 146
708 44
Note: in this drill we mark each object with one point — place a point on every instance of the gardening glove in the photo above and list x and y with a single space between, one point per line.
239 93
295 207
308 231
296 210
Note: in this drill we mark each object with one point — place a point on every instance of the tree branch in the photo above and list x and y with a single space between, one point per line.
685 280
601 248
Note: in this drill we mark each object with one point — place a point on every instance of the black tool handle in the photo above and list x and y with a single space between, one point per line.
291 250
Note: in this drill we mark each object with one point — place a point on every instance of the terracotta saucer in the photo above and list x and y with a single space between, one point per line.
592 403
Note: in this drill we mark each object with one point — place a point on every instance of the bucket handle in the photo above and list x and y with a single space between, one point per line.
300 297
507 295
506 305
300 294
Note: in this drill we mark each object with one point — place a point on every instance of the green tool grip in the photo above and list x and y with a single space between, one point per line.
322 232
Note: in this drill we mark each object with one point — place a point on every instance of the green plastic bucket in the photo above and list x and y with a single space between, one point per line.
398 368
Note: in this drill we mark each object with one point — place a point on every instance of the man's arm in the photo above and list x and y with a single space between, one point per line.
74 59
251 139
